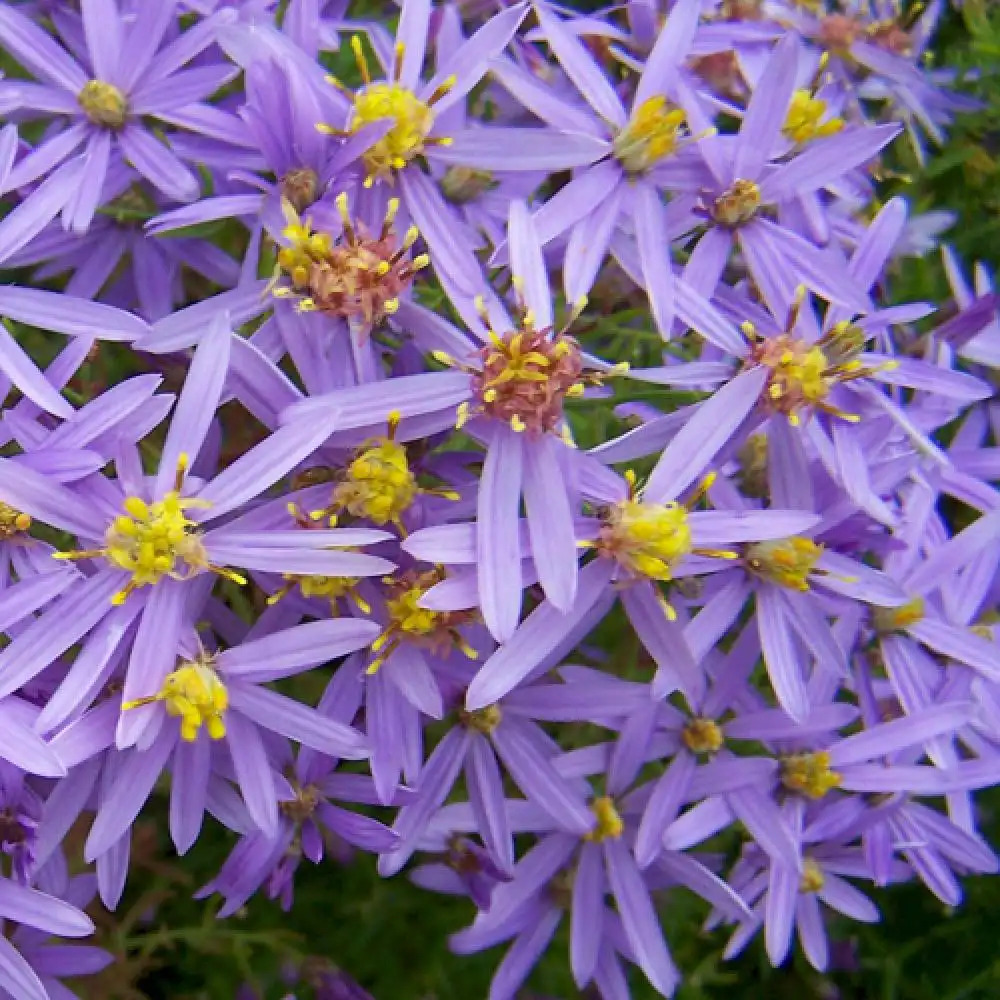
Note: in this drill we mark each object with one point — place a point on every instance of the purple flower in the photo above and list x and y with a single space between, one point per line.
122 77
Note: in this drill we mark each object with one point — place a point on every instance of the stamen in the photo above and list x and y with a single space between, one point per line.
409 622
788 562
810 774
652 134
151 541
804 121
195 693
610 825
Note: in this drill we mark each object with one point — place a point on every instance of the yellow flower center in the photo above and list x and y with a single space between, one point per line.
483 720
809 774
651 135
332 588
103 104
408 622
812 879
804 121
784 561
196 695
151 541
378 484
409 617
412 120
888 620
647 539
610 825
702 736
12 521
801 374
738 205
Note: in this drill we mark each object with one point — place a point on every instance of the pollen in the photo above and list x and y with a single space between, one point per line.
412 120
408 622
12 522
610 825
652 135
888 620
738 205
195 694
798 376
378 484
151 541
702 736
526 375
787 562
646 539
805 119
812 879
802 374
388 100
360 277
330 588
809 774
103 104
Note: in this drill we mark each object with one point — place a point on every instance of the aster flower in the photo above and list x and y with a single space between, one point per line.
124 75
564 873
637 152
486 743
39 916
144 533
219 697
644 539
512 396
308 815
412 109
280 113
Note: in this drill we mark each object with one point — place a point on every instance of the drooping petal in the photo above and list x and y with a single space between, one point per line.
497 522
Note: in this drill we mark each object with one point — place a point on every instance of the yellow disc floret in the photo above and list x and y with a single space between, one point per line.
804 121
651 135
810 774
737 205
812 879
702 735
378 484
610 825
195 694
787 562
409 622
151 541
12 521
887 620
103 104
648 539
412 120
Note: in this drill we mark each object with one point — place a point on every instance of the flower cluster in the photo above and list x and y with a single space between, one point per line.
347 416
